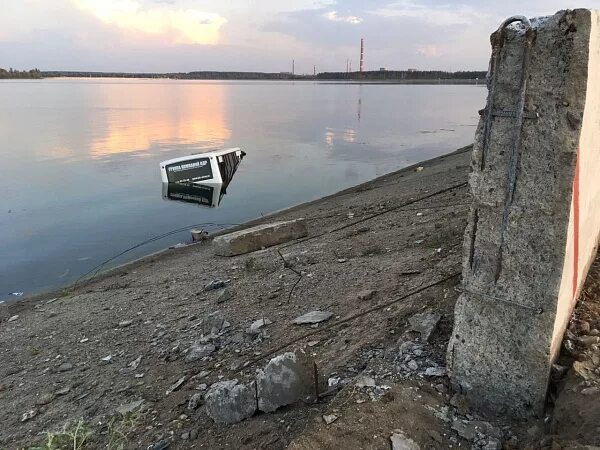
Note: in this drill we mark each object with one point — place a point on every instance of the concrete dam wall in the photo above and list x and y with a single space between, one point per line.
535 220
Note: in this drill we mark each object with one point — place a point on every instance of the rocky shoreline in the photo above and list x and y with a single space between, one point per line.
140 357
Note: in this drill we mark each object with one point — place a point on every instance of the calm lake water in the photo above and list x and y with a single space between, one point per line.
80 178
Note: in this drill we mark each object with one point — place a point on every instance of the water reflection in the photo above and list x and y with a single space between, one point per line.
196 119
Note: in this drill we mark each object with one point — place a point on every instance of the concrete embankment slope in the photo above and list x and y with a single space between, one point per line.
533 228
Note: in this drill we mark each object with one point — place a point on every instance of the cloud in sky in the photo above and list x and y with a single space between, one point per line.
333 16
255 35
179 26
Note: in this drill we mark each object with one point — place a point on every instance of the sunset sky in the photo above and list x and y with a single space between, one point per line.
255 35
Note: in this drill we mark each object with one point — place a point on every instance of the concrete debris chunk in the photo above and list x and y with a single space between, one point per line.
256 326
199 351
313 317
424 323
215 284
401 442
129 408
286 379
366 294
230 402
330 418
259 237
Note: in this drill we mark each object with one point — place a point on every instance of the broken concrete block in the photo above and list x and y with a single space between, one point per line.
424 323
535 219
401 442
286 379
230 401
312 317
259 237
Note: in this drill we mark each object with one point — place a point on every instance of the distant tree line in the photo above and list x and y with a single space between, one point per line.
379 75
11 73
402 75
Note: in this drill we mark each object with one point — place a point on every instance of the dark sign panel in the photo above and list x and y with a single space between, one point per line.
190 193
191 170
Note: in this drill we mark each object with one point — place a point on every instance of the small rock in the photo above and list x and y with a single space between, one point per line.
63 391
435 372
28 415
125 323
424 323
197 352
413 365
401 442
225 295
160 445
313 317
590 390
176 385
461 403
286 379
107 359
193 434
342 260
214 324
83 341
366 294
195 401
64 367
13 318
493 444
230 402
256 326
185 436
329 418
419 169
135 363
215 284
129 407
365 381
45 399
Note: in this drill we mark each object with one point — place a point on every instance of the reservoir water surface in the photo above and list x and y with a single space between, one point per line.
80 177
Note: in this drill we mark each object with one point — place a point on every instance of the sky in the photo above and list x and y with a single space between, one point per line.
256 35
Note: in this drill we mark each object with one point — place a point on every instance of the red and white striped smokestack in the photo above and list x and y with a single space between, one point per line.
362 51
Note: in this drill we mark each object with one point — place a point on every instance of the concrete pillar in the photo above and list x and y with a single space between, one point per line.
535 219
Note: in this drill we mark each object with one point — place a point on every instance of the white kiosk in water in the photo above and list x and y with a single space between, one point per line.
200 178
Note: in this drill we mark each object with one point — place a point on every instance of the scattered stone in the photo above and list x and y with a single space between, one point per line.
214 324
176 385
593 390
125 323
286 379
160 445
259 237
401 442
419 169
365 381
135 363
64 367
107 359
435 372
257 325
63 391
424 323
194 434
83 341
367 294
45 399
230 402
329 418
342 260
225 295
185 436
195 401
197 352
199 235
129 408
28 415
313 317
413 365
13 318
215 284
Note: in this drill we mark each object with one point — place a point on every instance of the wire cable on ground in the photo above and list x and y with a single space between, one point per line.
377 214
346 320
95 269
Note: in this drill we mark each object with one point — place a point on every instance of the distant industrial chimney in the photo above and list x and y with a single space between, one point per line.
293 66
362 52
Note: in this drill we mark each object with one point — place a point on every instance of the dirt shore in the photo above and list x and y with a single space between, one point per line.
70 359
